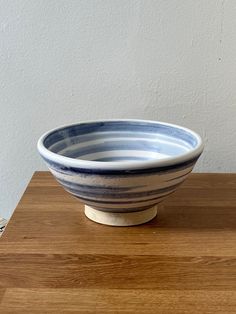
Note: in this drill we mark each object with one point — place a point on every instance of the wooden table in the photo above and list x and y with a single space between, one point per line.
54 260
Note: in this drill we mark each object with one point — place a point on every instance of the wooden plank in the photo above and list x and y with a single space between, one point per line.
52 213
54 260
2 292
203 244
48 236
118 301
117 271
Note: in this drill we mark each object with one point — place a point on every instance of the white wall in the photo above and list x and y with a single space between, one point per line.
62 61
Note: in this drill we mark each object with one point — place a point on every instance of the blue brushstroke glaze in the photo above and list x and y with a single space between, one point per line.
122 202
162 170
99 189
107 159
170 150
122 210
130 195
109 126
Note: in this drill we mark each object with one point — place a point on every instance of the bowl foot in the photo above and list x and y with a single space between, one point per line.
120 219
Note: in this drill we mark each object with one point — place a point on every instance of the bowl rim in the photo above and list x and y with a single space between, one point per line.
120 165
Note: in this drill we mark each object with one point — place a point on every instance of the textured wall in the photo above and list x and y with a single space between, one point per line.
66 61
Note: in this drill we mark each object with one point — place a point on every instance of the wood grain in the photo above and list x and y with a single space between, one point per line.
2 292
117 271
54 260
117 301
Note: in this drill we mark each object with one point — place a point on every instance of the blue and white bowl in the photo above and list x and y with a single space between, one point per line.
120 168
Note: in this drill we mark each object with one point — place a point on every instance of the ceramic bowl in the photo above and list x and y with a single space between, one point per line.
121 169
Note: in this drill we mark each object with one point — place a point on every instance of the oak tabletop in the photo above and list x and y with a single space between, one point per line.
54 260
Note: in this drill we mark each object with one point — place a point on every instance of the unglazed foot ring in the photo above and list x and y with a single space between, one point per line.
120 219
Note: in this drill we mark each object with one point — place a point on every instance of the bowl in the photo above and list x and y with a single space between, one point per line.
120 169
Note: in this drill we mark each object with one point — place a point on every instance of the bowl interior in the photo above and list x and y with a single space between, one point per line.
111 141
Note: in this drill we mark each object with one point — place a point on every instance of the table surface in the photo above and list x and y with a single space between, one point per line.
54 260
